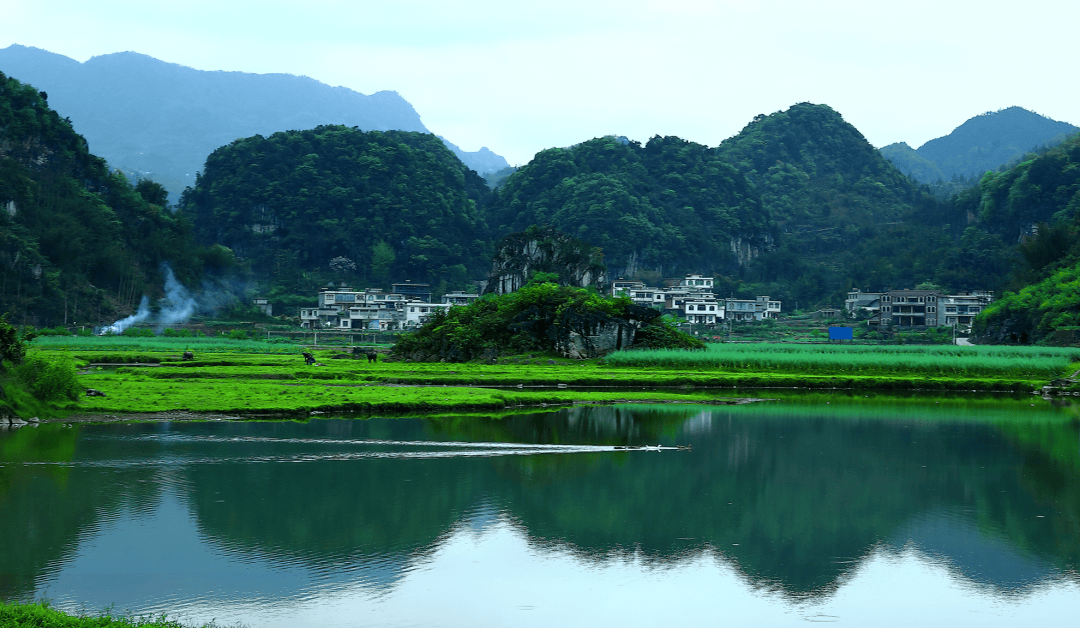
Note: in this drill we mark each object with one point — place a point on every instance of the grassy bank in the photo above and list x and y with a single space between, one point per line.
42 615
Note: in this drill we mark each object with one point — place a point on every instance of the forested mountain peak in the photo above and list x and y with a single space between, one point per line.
397 205
988 141
815 170
667 207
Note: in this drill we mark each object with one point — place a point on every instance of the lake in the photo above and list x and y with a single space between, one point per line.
854 510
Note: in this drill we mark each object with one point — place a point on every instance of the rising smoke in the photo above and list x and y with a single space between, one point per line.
177 306
139 316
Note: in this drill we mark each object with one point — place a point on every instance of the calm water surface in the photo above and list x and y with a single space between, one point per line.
857 511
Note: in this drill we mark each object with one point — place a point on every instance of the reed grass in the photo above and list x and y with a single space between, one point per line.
856 360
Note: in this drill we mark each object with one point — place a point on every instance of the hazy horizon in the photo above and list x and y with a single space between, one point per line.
520 78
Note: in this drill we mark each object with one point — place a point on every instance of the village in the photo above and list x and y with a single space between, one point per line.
691 298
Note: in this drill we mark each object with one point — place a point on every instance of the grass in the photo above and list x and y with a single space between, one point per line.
42 615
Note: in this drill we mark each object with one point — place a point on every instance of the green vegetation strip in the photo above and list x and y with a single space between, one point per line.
139 393
42 615
240 382
927 361
140 344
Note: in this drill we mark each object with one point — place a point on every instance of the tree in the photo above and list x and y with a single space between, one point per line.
152 192
13 343
382 259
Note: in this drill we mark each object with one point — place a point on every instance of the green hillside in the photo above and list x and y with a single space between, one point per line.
395 205
817 172
1037 202
77 243
668 207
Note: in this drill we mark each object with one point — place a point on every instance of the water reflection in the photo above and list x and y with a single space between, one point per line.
794 506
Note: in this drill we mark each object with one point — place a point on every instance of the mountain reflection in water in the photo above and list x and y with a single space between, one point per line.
789 509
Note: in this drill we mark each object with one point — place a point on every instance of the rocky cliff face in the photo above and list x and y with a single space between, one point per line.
521 255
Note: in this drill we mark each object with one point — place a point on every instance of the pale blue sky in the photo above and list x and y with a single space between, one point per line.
519 77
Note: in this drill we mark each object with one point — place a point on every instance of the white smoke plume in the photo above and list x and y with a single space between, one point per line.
139 316
178 304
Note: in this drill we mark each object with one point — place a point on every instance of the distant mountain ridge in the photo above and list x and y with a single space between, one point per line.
984 142
163 119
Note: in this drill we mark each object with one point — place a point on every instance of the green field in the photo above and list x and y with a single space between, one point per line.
247 376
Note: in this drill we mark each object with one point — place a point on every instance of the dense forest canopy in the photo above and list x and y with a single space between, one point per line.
1037 203
395 205
670 206
77 242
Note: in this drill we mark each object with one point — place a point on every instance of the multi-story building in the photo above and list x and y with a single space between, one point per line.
458 297
863 302
373 309
910 308
413 314
930 308
702 311
961 309
756 309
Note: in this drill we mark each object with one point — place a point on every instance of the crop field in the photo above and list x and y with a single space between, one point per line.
860 360
162 343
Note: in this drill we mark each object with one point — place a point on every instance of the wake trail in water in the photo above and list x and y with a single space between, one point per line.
356 449
178 438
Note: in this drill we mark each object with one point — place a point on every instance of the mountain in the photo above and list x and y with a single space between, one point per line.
336 203
78 242
668 207
815 172
160 120
985 142
910 162
483 161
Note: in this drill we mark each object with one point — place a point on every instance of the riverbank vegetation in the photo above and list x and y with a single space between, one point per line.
30 383
43 615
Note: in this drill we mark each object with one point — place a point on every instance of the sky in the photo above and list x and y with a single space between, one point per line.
519 77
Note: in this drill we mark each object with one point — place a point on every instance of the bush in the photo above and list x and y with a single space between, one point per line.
138 332
48 380
239 334
59 330
177 333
